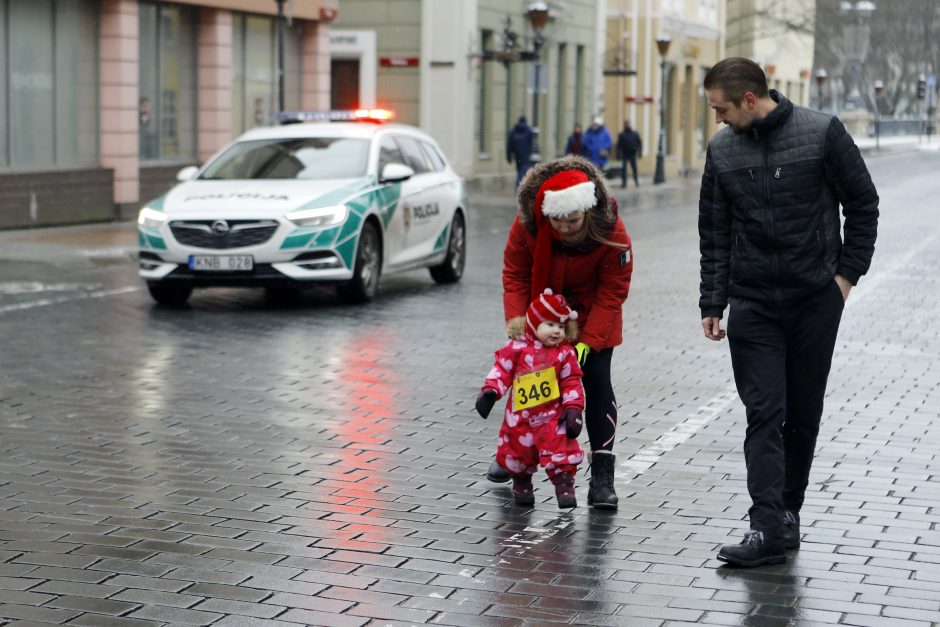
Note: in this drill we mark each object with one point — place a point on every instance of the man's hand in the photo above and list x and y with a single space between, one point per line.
844 286
485 402
582 350
712 327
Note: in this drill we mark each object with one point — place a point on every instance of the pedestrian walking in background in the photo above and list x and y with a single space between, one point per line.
575 144
519 147
597 143
629 147
543 416
567 237
771 246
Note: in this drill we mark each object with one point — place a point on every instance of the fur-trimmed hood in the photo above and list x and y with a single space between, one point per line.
604 212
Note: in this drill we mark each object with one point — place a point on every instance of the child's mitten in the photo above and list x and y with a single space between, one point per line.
573 421
485 402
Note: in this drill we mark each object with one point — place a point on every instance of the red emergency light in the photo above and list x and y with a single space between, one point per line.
335 115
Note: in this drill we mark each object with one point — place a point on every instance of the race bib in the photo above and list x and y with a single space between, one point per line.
534 389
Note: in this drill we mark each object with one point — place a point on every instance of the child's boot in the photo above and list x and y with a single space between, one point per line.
564 490
522 492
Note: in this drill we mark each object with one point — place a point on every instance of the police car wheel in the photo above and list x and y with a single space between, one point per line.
170 294
368 269
452 269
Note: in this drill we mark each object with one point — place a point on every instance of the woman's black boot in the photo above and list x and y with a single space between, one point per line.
601 491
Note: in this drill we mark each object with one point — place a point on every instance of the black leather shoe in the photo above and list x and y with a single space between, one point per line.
791 530
755 550
497 474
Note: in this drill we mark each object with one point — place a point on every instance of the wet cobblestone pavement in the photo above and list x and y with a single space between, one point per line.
240 462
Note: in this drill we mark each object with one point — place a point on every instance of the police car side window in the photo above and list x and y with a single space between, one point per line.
414 156
434 156
389 153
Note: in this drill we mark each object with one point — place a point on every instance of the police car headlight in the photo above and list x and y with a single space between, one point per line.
321 216
150 218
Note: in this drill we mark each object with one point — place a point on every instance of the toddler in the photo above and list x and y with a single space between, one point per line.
543 414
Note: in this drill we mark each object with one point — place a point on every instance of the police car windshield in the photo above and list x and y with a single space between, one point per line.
307 158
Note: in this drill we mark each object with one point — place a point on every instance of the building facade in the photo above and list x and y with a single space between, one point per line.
646 87
103 101
778 36
465 70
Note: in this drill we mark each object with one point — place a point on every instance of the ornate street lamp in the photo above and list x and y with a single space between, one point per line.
662 43
537 12
879 89
821 77
858 14
281 35
771 70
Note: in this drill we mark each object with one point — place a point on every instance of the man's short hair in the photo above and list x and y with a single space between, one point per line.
735 76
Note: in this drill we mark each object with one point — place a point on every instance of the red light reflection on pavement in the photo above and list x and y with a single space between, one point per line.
366 386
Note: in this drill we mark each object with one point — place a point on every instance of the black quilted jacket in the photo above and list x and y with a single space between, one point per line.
769 226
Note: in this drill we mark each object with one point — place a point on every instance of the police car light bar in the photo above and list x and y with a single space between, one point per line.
335 115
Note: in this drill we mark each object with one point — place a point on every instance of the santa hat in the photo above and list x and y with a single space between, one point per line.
565 193
548 307
569 191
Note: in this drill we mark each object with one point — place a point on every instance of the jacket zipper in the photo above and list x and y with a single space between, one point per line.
770 210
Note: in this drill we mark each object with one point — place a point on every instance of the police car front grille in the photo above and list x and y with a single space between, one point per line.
222 233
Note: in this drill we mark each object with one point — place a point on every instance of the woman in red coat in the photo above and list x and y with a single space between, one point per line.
567 237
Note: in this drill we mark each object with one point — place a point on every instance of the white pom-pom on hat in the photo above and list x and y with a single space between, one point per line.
569 191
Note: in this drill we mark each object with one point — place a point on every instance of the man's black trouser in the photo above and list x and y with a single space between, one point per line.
623 170
781 357
600 407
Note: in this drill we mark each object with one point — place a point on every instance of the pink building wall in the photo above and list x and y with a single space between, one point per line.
119 93
215 80
315 80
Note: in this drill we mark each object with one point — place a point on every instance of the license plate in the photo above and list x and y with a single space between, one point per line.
221 263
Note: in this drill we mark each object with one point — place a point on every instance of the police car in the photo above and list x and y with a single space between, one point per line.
331 199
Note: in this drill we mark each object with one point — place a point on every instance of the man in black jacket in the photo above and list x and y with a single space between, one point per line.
519 145
629 147
772 248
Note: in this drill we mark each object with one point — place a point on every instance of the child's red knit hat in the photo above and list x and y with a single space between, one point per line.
548 307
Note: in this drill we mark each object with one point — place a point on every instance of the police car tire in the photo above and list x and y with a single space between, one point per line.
451 270
169 294
363 287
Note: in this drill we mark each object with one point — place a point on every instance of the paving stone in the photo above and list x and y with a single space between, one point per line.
307 617
232 463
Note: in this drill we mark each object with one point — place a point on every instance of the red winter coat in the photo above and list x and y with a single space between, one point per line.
593 277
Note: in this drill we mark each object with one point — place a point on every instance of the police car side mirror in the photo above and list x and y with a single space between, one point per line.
187 174
395 172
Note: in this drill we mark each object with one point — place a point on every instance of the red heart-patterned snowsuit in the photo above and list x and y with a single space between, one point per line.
533 437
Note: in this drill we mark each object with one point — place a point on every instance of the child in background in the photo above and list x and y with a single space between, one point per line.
543 416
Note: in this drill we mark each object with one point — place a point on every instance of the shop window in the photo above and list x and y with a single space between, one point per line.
48 98
168 63
255 78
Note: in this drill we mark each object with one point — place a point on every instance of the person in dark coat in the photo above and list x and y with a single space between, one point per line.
575 144
772 246
519 147
629 147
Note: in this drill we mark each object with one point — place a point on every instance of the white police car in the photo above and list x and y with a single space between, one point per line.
340 202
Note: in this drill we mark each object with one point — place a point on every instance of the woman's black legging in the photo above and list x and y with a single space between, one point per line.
600 409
